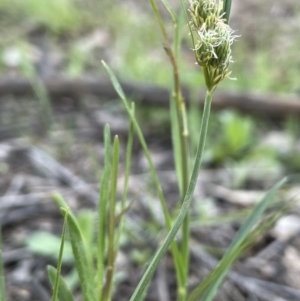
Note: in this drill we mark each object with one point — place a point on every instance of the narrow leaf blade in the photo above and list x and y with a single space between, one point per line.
215 278
64 293
81 260
102 210
227 9
59 264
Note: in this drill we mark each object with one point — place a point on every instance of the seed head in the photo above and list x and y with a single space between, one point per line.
214 40
204 12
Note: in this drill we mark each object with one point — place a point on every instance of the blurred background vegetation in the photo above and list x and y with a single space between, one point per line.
78 33
70 37
81 32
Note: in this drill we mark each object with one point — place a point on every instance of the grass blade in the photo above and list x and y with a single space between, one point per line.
226 9
175 134
124 209
64 293
102 210
184 208
60 201
170 10
235 247
255 215
59 264
112 222
138 131
261 228
81 261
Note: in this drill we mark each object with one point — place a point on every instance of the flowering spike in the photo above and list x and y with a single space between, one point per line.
214 39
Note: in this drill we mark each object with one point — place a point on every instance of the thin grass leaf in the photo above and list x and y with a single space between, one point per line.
102 210
2 278
111 227
88 251
140 135
261 228
175 133
138 131
170 10
60 201
179 27
180 141
124 209
256 214
183 7
86 222
235 247
81 260
60 257
64 293
227 9
184 208
159 18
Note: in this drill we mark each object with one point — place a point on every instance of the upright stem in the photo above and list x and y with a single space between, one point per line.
184 208
111 227
181 259
184 153
183 138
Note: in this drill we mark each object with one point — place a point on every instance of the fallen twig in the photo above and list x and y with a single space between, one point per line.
250 103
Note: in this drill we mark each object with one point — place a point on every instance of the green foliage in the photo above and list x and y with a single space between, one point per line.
213 281
58 285
234 134
56 15
81 256
64 293
92 243
77 62
47 244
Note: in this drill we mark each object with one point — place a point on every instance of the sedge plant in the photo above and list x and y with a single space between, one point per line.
95 259
212 39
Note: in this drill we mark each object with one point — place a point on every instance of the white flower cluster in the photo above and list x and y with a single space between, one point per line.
213 39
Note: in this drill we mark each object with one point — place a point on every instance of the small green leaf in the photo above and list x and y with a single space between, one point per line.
144 282
170 10
81 260
111 226
102 211
59 264
64 294
59 200
86 223
47 244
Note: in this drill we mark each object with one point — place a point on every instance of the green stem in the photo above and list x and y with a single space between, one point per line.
185 205
126 180
139 133
102 211
183 138
111 235
59 264
183 135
